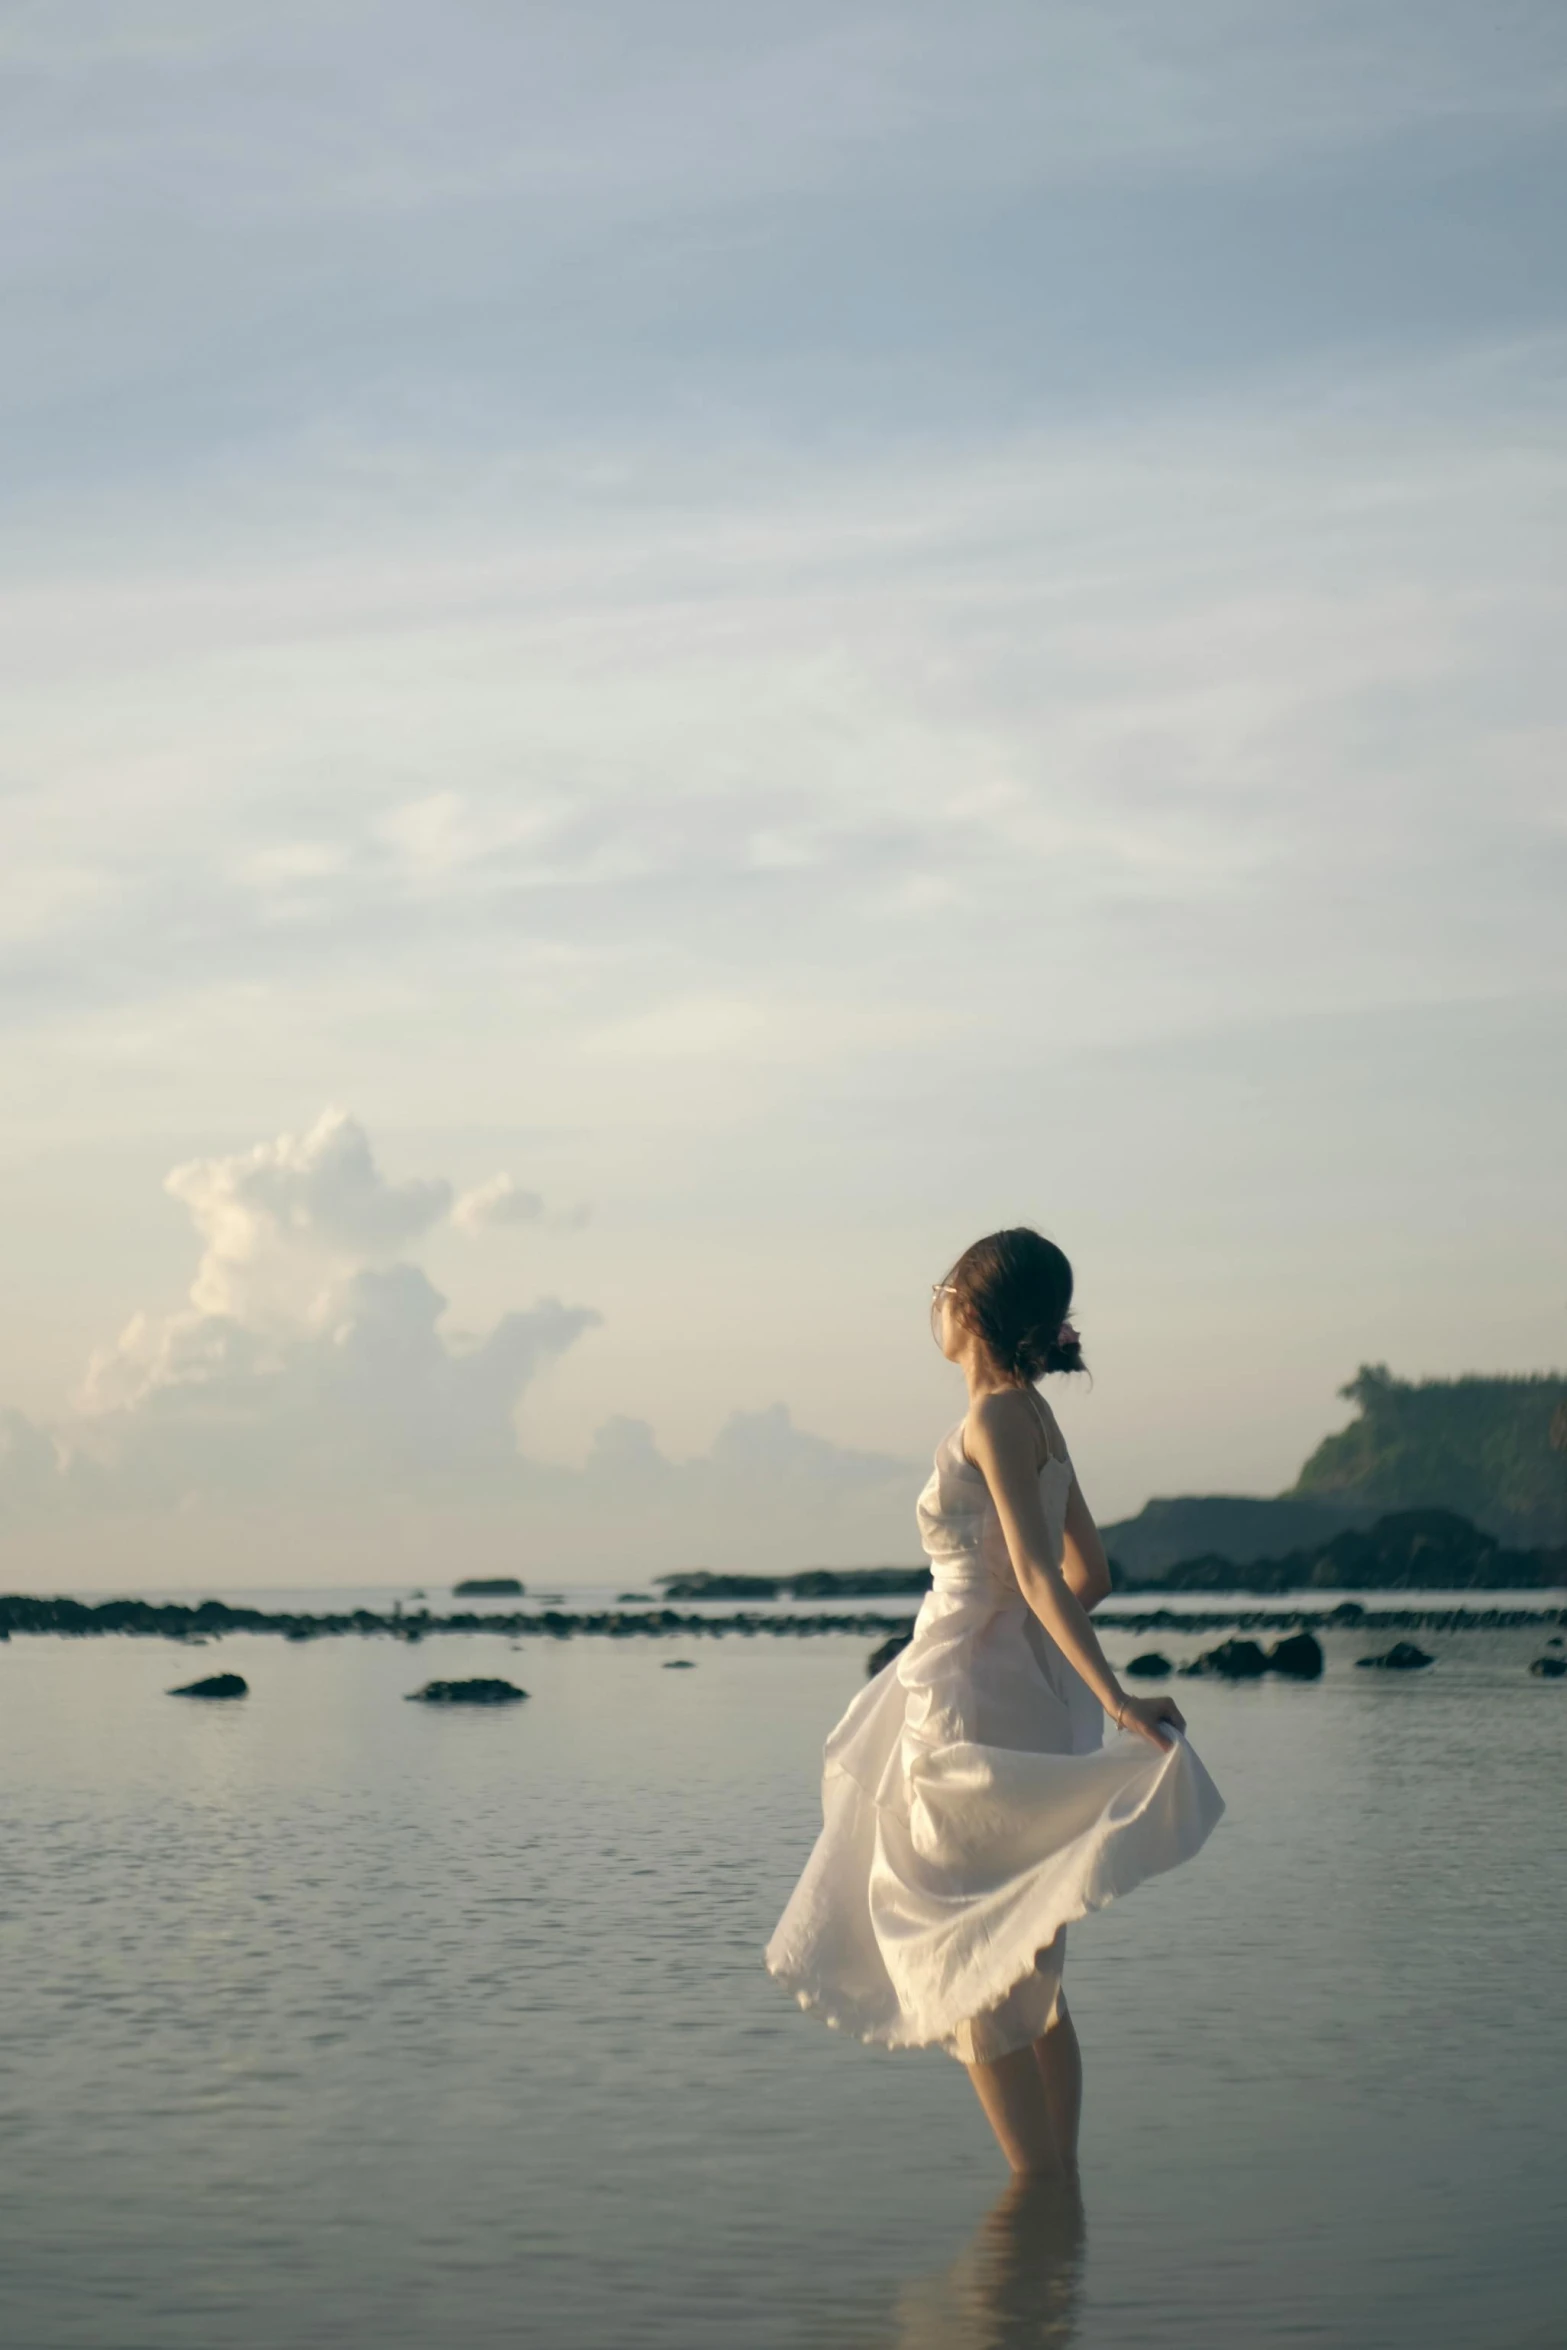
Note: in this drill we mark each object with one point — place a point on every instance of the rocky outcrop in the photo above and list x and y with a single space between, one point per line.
1298 1658
880 1658
1232 1660
488 1587
141 1619
1234 1527
811 1583
1403 1657
1549 1668
1150 1666
699 1584
1408 1550
215 1685
467 1693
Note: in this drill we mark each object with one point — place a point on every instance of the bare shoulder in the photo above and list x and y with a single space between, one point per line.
1004 1424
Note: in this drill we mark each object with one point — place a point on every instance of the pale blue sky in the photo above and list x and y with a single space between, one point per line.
807 630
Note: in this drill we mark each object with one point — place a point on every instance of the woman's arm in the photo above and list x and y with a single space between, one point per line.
1000 1439
1085 1566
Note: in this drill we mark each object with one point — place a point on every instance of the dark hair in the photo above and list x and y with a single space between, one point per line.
1015 1288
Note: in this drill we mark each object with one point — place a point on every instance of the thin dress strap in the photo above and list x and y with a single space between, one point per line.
1037 1401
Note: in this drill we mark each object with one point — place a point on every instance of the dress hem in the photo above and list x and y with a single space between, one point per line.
841 2016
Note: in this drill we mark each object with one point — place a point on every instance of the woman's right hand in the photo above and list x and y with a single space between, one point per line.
1144 1714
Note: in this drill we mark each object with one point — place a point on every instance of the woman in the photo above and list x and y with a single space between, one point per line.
970 1808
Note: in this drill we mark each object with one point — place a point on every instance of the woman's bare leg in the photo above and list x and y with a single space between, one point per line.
1060 2061
1013 2090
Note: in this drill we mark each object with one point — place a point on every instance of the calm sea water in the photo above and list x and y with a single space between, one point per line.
331 2020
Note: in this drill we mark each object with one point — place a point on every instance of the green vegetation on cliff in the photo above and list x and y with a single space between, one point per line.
1493 1449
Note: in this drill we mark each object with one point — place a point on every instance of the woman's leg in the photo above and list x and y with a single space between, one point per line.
1060 2063
1013 2091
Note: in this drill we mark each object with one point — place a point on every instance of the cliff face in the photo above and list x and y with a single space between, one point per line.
1494 1450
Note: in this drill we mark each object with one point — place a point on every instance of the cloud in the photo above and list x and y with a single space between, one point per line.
300 1200
313 1367
374 1401
311 1356
500 1201
766 1495
30 1466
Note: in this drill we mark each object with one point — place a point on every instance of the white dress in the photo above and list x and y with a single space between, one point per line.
971 1809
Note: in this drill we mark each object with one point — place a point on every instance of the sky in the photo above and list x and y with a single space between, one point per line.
660 661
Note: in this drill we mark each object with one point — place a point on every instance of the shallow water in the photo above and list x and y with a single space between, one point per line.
329 2019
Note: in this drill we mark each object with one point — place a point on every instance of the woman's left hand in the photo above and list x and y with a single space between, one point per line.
1144 1714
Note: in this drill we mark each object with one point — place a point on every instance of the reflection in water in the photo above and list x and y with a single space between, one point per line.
1016 2282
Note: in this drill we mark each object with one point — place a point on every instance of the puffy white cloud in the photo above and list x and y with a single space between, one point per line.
501 1200
273 1216
309 1358
374 1399
311 1373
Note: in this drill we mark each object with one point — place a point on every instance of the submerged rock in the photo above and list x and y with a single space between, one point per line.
1403 1657
215 1685
1150 1666
467 1693
880 1658
1549 1668
1298 1658
1232 1660
679 1664
488 1587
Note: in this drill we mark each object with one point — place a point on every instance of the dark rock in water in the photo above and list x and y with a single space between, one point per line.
215 1685
679 1664
1402 1657
699 1584
1550 1668
859 1583
634 1599
467 1693
488 1587
880 1658
1232 1660
1150 1666
299 1632
1554 1641
1299 1658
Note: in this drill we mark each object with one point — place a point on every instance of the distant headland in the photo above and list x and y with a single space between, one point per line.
1453 1483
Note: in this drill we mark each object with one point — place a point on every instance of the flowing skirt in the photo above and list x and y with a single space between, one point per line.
969 1813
